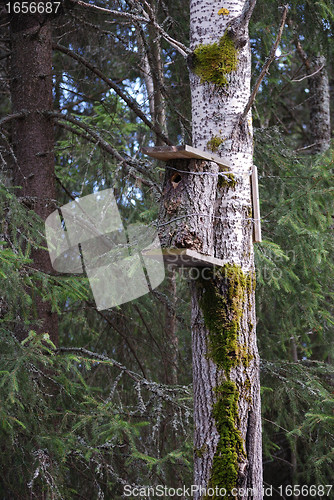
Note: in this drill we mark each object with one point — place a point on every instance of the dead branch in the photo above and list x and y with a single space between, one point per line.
309 76
162 391
182 49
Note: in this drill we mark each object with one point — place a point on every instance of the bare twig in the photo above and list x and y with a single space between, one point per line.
126 339
266 65
306 147
118 13
11 117
182 49
126 98
309 76
301 52
274 489
3 56
162 391
69 194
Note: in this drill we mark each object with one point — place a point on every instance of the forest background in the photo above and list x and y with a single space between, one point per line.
107 401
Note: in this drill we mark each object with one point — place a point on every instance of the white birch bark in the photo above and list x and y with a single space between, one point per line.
215 113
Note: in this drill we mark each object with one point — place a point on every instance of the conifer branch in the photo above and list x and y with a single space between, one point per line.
160 390
122 94
97 139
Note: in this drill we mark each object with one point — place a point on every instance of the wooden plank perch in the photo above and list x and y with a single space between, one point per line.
166 153
185 257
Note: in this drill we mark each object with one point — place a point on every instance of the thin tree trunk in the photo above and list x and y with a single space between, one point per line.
31 94
152 70
320 125
172 340
146 72
294 441
320 118
227 414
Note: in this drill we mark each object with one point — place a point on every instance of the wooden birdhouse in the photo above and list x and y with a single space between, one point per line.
187 208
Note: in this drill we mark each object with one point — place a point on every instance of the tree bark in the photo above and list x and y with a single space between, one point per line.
320 125
320 118
172 341
33 139
152 69
227 413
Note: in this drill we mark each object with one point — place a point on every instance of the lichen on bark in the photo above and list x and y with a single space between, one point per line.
223 12
213 62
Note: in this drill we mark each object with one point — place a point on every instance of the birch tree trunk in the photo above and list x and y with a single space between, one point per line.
227 416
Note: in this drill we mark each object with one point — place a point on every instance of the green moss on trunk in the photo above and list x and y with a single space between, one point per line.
222 307
228 181
222 303
230 448
214 143
213 62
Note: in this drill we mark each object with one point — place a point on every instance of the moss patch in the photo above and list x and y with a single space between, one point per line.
247 391
200 452
212 62
228 180
230 445
214 143
222 310
222 305
245 356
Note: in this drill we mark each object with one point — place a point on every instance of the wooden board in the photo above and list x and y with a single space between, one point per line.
166 153
256 206
184 257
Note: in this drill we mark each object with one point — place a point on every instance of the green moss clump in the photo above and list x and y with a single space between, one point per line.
214 143
200 452
222 311
212 62
228 180
222 304
247 391
230 445
245 356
